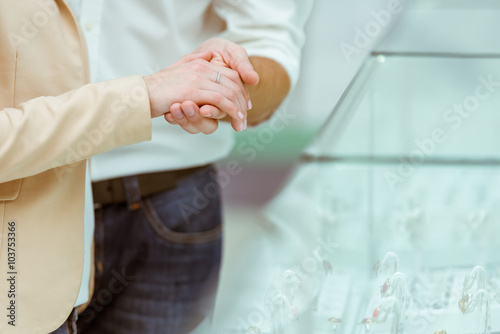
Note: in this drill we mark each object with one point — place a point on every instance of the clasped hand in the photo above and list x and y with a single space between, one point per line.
186 93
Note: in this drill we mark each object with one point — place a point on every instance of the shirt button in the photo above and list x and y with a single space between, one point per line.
89 26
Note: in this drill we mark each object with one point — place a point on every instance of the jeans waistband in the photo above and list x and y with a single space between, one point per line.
131 189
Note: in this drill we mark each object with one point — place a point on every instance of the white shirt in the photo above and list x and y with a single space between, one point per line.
126 37
83 295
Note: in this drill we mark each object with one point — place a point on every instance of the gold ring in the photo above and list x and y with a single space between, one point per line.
253 330
464 304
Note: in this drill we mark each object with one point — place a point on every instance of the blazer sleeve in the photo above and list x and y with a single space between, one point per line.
48 132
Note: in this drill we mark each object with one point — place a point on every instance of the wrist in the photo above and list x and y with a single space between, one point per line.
152 82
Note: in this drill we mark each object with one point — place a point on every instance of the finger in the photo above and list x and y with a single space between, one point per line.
182 120
238 126
170 118
239 91
193 56
176 111
226 86
223 99
203 124
247 72
212 112
231 79
238 60
229 89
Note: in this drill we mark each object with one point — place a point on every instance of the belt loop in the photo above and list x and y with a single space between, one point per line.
132 192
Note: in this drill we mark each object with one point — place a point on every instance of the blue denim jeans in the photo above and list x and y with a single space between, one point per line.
157 266
69 326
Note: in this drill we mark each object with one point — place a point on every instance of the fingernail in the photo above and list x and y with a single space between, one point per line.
189 111
242 126
245 124
178 114
250 104
209 115
240 115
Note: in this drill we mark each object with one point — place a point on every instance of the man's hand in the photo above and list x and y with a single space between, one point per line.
192 78
223 53
229 54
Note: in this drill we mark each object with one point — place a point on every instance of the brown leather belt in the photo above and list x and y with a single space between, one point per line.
113 191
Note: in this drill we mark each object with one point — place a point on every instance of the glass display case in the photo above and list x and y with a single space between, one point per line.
391 222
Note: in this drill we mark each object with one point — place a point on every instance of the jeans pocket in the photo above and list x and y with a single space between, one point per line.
154 220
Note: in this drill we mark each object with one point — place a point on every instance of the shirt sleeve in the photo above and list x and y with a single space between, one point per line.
268 28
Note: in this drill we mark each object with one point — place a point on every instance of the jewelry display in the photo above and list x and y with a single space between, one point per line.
290 285
332 300
390 307
335 324
387 266
390 178
283 311
367 322
474 296
479 301
451 288
493 282
476 277
290 282
434 291
285 284
395 286
406 224
253 330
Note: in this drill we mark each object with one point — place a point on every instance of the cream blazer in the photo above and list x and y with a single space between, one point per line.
50 123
